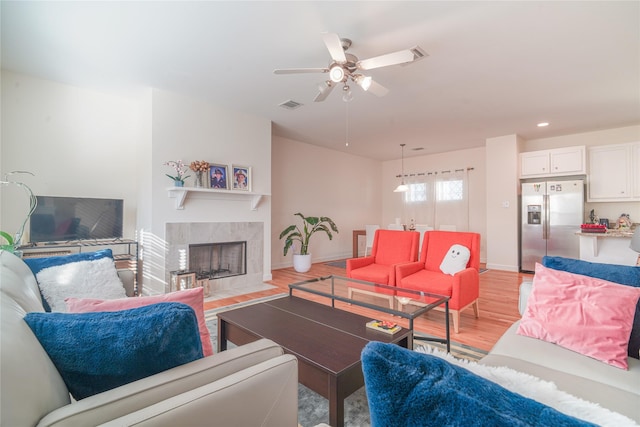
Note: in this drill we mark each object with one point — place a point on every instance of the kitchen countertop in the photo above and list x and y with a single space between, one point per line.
609 233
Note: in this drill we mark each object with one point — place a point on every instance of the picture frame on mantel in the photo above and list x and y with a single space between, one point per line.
241 178
218 176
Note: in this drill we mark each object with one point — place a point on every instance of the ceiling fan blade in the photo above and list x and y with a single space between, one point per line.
334 45
324 92
399 57
377 89
300 70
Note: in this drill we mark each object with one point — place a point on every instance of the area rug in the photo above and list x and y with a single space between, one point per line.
340 263
313 409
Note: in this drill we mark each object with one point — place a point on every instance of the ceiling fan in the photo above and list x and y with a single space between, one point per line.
346 66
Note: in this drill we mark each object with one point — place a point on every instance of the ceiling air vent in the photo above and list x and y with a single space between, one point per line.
418 54
291 105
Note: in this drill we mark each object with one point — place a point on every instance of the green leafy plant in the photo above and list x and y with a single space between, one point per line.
311 224
10 243
180 169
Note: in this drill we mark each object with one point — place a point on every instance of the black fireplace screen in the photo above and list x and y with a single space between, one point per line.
218 260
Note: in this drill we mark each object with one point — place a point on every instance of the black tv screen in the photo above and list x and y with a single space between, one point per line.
59 219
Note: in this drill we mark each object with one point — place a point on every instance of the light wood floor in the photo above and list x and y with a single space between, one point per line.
498 304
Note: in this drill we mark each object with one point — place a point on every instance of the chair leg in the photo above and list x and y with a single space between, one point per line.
456 320
476 310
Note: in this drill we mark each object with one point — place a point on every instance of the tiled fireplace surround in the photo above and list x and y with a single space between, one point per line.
180 235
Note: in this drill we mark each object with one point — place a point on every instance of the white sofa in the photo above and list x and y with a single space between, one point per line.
581 376
255 384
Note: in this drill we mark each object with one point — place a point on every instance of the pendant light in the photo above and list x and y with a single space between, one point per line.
402 188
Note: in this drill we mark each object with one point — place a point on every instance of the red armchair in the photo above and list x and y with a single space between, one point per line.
463 287
390 248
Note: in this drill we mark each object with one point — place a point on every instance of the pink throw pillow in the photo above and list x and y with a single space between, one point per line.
194 298
584 314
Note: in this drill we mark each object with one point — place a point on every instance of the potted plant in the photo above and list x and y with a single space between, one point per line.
311 224
180 168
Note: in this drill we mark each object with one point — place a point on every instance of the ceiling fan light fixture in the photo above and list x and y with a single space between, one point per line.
336 73
364 82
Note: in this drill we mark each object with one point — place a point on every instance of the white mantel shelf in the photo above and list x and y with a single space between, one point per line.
180 194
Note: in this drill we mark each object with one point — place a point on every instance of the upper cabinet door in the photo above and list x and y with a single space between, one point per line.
534 163
610 174
569 160
555 162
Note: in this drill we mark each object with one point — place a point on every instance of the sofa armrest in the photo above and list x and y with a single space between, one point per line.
466 288
404 270
148 391
265 394
525 290
354 263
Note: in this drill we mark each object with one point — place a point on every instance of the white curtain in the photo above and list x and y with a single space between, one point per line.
438 198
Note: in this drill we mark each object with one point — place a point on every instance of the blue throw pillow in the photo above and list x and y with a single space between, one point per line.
406 388
622 274
38 264
95 352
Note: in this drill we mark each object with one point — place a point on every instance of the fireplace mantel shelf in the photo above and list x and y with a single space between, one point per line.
180 194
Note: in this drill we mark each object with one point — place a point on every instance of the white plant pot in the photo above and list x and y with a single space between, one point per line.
302 263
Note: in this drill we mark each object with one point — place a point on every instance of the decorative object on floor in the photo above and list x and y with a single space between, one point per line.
537 389
201 168
180 168
635 243
292 234
395 377
218 176
402 188
241 177
95 352
13 241
82 275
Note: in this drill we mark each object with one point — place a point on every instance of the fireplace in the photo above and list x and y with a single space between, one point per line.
218 260
188 250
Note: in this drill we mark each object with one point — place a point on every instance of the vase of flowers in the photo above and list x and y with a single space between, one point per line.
180 168
199 167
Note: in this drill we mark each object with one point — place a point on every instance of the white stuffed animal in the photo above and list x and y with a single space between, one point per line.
455 260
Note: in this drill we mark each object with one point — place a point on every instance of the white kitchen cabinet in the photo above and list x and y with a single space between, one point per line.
611 173
555 162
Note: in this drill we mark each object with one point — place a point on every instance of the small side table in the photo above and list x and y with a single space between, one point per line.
356 234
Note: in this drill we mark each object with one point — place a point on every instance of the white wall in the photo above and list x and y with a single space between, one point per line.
322 182
188 129
502 202
77 142
392 205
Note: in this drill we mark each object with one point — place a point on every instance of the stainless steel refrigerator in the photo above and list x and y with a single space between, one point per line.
552 212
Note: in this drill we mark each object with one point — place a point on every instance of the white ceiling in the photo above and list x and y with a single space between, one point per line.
494 68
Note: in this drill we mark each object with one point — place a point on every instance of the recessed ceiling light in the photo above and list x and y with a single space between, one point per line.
543 124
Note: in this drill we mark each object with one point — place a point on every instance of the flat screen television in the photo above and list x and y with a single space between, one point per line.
61 219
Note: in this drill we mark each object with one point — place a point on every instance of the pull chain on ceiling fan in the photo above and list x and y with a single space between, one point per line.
346 66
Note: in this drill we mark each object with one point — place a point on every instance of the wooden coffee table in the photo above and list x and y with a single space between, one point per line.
327 342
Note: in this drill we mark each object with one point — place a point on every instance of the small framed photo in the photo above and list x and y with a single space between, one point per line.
241 177
218 176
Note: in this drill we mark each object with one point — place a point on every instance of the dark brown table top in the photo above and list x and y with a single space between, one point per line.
329 338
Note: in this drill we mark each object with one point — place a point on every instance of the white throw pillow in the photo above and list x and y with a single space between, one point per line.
83 279
455 260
